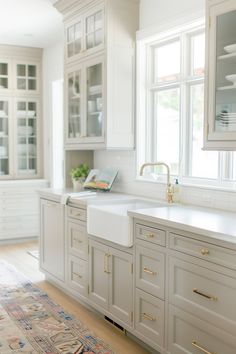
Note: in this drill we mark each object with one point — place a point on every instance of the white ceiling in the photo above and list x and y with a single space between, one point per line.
32 23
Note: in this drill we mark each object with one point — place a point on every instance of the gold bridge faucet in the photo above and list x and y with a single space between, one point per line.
169 191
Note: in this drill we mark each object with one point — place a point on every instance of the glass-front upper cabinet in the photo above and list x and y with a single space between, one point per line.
26 77
27 137
4 138
220 103
74 128
4 75
85 34
94 104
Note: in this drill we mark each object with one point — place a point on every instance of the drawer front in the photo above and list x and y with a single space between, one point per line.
78 239
150 271
78 275
188 334
77 213
151 234
149 317
218 255
204 293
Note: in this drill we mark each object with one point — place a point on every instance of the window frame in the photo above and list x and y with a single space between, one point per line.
144 108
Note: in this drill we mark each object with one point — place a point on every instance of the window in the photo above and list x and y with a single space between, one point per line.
171 110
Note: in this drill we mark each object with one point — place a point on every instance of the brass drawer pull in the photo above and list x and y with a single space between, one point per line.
148 271
205 252
106 270
209 297
149 235
77 275
194 343
148 317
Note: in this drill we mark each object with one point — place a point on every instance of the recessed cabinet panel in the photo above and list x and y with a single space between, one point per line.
78 239
78 274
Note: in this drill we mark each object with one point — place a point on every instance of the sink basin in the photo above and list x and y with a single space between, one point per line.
111 222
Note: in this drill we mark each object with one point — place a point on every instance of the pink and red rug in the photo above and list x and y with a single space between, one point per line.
30 322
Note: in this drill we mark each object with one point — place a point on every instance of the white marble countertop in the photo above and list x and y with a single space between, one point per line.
217 224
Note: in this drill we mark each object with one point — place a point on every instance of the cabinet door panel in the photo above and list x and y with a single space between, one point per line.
52 239
78 275
78 239
5 138
98 277
121 285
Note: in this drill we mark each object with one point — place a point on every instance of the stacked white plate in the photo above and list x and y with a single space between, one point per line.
25 130
227 119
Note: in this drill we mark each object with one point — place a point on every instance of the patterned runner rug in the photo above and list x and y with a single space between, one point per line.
30 322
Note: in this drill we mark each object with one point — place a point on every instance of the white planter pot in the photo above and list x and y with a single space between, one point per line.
77 184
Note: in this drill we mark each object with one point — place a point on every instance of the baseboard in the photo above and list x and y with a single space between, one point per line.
18 240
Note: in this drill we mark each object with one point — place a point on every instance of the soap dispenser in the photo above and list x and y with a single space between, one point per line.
176 196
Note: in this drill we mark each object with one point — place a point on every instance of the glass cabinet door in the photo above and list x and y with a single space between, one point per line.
27 116
4 138
4 75
94 124
74 39
74 105
26 77
94 30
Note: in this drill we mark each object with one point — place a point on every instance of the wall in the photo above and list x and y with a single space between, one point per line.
155 13
52 71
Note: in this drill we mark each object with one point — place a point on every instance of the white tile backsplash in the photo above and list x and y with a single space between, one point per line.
126 183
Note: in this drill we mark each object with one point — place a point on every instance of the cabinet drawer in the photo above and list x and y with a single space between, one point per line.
78 275
149 317
150 271
151 234
77 213
188 334
204 293
77 239
204 250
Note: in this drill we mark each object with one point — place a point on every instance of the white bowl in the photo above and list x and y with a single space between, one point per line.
231 78
230 48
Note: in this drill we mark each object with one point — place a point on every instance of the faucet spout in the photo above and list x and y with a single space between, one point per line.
169 192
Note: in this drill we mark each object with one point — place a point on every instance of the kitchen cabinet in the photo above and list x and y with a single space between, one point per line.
111 271
100 75
52 239
20 113
77 251
220 85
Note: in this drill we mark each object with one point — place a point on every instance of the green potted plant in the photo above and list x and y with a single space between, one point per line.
79 175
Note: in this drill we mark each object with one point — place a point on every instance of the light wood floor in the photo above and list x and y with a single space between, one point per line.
17 255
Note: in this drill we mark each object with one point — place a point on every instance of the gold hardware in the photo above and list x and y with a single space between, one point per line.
106 270
88 289
194 343
131 268
209 297
148 317
205 251
149 235
77 275
148 271
131 316
209 21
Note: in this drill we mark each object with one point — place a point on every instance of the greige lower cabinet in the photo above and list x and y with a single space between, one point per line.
111 280
52 241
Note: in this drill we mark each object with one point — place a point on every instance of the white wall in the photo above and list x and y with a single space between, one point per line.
52 71
155 13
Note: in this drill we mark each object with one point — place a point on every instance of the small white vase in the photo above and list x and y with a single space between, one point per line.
78 184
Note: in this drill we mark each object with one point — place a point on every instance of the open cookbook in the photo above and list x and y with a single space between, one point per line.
101 179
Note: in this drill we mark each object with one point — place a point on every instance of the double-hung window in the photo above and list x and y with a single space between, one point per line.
170 109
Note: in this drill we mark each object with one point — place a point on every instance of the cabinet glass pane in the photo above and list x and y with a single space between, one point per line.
74 39
27 137
4 140
198 54
26 77
3 75
94 32
225 73
94 101
21 70
74 105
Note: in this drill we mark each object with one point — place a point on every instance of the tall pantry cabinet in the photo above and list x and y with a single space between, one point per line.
99 73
